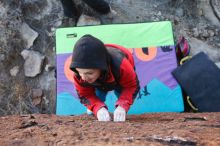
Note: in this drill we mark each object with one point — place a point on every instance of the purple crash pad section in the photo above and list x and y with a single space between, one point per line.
159 68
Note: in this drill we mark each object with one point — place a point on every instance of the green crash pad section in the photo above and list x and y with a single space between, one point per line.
127 35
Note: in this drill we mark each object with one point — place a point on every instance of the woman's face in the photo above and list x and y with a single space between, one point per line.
89 75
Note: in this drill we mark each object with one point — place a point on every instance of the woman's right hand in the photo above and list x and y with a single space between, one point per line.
103 114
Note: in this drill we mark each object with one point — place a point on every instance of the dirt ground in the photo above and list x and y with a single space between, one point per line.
148 129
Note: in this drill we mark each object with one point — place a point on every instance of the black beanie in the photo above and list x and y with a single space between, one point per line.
89 52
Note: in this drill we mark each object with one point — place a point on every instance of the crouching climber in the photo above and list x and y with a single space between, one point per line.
100 68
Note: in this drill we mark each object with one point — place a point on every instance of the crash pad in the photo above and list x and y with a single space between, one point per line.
152 46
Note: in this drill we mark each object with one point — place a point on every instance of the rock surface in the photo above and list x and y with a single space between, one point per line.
183 129
29 26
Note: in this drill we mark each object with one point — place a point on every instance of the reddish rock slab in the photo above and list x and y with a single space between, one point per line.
149 129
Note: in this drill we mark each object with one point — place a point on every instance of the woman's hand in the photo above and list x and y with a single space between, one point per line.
119 114
103 114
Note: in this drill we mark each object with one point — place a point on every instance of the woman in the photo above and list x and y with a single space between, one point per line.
101 68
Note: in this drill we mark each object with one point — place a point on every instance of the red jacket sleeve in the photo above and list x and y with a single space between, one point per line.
129 83
88 97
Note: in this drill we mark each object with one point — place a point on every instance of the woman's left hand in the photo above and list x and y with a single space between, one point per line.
119 114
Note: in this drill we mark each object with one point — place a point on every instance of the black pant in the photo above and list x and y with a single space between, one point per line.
69 8
98 5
